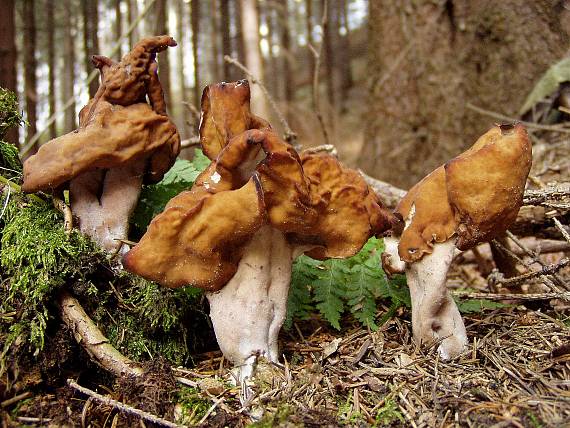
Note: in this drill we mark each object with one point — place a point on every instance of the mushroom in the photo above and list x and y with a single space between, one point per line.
237 240
121 142
471 199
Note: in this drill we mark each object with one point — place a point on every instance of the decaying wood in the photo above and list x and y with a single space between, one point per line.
122 407
388 193
93 341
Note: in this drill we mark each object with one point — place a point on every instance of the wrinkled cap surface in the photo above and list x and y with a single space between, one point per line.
349 212
116 126
225 114
116 135
475 196
199 237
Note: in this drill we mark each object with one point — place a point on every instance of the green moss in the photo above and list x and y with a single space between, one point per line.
274 419
388 414
9 114
194 406
36 259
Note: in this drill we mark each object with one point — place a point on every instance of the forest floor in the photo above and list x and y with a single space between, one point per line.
515 373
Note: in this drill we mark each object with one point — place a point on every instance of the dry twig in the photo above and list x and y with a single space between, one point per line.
122 407
93 341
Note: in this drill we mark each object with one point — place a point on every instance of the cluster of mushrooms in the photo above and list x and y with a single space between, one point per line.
260 204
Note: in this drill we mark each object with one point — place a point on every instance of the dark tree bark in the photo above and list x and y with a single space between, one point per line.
90 38
343 51
226 37
67 75
330 31
310 41
286 54
161 27
119 27
253 61
214 40
50 31
8 77
30 65
486 53
271 77
239 34
182 89
195 18
132 13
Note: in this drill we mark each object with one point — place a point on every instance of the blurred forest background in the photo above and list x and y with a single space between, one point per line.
400 83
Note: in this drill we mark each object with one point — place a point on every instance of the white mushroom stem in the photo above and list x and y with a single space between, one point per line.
249 311
435 316
103 201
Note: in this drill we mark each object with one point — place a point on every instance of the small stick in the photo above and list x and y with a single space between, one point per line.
290 136
531 125
560 227
536 259
15 399
190 142
122 407
546 270
327 148
519 297
65 209
93 341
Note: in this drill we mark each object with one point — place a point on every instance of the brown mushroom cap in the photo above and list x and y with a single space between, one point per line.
226 114
116 135
116 126
198 240
349 212
199 237
126 82
476 195
494 171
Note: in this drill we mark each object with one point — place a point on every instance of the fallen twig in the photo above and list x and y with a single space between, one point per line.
327 148
503 117
190 142
562 230
15 399
546 270
516 297
122 407
389 194
93 341
61 206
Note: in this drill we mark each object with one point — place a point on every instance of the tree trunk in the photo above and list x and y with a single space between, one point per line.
310 41
119 28
90 39
180 59
195 17
271 77
330 31
214 31
343 52
132 13
30 65
161 27
226 38
68 72
239 34
51 4
8 77
286 55
428 61
253 59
